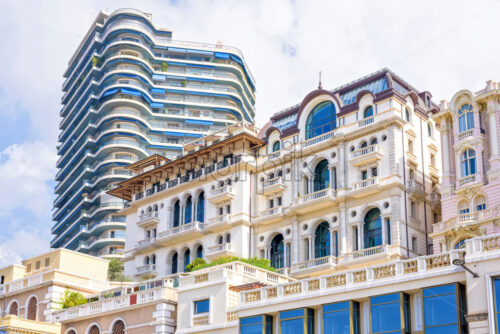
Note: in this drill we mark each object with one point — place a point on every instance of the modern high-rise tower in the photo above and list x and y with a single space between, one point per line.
132 91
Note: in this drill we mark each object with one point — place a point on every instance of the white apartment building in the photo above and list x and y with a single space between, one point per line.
342 179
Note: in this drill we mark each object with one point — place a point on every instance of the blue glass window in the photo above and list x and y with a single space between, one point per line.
496 295
390 313
322 240
187 260
444 309
188 211
299 321
468 162
262 324
201 306
199 252
321 176
407 114
339 317
481 207
276 146
372 228
175 260
177 214
322 119
465 118
368 112
277 252
200 208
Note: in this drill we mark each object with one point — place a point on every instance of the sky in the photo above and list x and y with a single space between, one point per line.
438 46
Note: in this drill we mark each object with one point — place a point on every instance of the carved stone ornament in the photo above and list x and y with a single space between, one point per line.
477 316
462 232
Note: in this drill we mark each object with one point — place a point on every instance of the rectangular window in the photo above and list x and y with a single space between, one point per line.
262 324
364 175
221 211
414 244
28 267
37 265
413 209
297 321
47 262
271 203
279 201
388 222
433 160
201 306
410 146
481 207
228 208
390 313
444 309
341 317
374 171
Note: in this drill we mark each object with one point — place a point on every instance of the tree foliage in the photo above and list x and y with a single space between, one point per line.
115 271
199 263
71 299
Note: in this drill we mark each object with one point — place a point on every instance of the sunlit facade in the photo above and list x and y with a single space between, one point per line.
132 91
470 129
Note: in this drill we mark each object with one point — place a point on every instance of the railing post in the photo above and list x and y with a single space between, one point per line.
399 268
421 264
349 278
369 274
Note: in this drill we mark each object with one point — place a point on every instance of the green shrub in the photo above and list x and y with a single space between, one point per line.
72 299
198 264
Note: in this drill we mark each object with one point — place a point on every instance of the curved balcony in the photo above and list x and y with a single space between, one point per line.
366 155
221 194
314 201
182 232
219 222
148 219
216 251
271 215
273 186
366 187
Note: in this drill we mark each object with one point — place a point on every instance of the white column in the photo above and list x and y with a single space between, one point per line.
444 147
384 231
332 242
311 255
343 229
360 237
295 240
495 157
341 177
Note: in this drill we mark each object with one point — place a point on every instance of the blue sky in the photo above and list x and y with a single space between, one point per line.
440 46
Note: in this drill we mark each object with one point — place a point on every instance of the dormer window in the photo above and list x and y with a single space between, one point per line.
322 119
276 146
465 118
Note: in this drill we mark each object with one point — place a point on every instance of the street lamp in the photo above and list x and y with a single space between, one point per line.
461 263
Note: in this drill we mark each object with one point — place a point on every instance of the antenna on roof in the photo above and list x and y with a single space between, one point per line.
320 86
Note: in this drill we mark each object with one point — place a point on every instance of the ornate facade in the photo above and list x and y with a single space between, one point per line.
470 127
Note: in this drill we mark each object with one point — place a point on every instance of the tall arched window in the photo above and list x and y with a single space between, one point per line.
321 175
373 228
368 112
175 261
14 309
187 258
118 327
276 146
322 240
200 208
188 211
153 259
94 330
460 244
199 252
277 252
468 162
32 309
429 129
146 260
177 214
322 119
480 203
407 114
465 118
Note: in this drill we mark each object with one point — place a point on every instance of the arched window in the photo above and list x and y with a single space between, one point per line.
277 252
118 327
322 119
188 211
363 144
146 260
468 162
32 309
276 146
429 129
175 261
187 259
373 228
71 331
221 240
407 114
460 244
199 252
374 141
153 259
321 175
480 203
322 240
200 208
228 238
94 330
368 112
463 207
465 118
177 213
14 309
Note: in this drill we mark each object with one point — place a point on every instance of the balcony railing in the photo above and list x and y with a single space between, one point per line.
467 179
365 150
182 228
145 242
225 218
318 139
147 217
146 268
314 196
466 134
272 211
366 121
220 248
273 181
413 185
331 260
365 252
274 155
365 183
